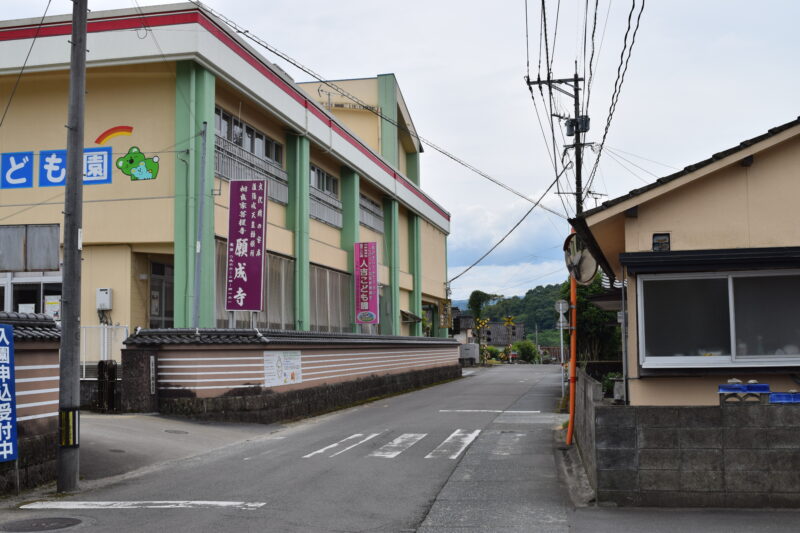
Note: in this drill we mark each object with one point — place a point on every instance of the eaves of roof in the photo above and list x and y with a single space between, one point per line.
692 168
188 336
31 326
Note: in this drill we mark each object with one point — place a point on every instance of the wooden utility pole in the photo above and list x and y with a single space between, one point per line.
579 124
69 386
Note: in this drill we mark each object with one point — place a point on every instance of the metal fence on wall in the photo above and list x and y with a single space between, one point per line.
100 343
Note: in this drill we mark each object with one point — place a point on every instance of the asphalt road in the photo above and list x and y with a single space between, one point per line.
377 467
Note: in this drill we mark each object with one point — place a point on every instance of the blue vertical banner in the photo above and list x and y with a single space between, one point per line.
8 398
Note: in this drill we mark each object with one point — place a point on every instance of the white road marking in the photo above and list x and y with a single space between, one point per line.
487 411
362 441
334 445
398 445
170 504
467 373
454 444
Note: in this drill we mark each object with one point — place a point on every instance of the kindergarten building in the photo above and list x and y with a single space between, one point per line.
337 173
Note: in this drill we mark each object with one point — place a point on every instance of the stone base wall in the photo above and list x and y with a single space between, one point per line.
268 407
38 445
742 454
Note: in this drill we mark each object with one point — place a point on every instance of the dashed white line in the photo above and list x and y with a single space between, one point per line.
398 445
167 504
456 443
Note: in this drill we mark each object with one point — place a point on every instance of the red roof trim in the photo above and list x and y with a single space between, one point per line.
197 16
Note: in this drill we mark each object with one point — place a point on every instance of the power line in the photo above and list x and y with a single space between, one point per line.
610 150
608 146
24 64
371 109
590 82
591 59
631 172
622 69
481 258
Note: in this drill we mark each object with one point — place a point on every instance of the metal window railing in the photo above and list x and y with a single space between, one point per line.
232 162
370 214
325 208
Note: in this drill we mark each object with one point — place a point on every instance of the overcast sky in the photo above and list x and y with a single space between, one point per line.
703 76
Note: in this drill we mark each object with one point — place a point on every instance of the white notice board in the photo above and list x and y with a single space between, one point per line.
282 368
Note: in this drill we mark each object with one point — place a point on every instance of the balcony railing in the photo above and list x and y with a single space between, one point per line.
370 214
325 208
232 162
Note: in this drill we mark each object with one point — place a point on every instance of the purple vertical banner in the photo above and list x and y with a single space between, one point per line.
247 221
8 397
365 273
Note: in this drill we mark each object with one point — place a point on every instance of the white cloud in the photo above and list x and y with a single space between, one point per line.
508 280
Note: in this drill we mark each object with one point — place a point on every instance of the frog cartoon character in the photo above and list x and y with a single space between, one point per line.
137 166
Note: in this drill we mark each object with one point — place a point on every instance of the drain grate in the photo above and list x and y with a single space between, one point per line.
176 431
39 524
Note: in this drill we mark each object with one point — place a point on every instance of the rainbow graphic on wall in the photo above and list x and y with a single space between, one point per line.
116 131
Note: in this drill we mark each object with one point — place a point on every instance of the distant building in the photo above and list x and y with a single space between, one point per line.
494 334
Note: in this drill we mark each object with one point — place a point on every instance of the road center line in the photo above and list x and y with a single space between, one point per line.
167 504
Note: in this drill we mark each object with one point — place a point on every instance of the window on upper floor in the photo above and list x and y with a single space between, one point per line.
719 319
247 136
324 182
32 247
371 214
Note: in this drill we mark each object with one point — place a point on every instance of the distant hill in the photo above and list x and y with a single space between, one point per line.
535 308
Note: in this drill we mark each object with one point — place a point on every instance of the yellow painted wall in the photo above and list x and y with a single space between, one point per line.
434 257
700 390
323 246
114 221
141 96
405 299
106 266
736 207
361 122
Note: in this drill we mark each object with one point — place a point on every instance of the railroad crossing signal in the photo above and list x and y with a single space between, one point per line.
508 321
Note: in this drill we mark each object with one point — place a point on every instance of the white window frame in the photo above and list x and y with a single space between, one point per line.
733 360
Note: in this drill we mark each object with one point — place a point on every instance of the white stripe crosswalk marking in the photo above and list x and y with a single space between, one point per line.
334 445
362 441
454 444
398 445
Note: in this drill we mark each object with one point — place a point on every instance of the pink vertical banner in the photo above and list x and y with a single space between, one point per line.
365 257
247 221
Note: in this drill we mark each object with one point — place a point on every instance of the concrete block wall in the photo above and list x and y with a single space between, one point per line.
733 455
588 393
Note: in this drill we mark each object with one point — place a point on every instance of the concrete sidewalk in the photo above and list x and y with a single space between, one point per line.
112 445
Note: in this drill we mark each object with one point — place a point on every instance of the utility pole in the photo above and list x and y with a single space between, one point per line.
198 242
575 126
69 386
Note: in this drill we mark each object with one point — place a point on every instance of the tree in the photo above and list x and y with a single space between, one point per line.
598 332
477 300
526 350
